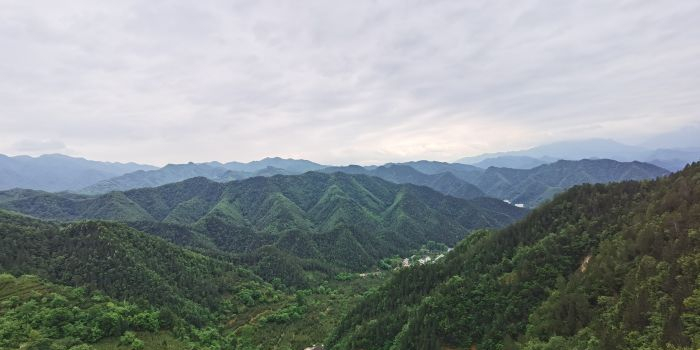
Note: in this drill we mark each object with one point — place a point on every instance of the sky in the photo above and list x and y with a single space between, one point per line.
341 82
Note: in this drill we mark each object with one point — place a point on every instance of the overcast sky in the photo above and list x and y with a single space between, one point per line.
340 81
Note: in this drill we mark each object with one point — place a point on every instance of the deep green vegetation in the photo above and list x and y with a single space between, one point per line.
169 296
119 261
600 267
35 314
284 225
275 262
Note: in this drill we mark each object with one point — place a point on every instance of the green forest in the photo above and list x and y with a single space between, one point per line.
290 261
600 267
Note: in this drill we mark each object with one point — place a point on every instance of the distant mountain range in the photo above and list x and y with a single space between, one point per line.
293 166
670 158
216 171
528 187
534 186
348 220
57 172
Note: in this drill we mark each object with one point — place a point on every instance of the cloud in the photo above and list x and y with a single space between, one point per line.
360 81
35 146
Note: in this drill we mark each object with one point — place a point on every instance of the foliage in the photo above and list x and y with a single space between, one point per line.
284 225
33 311
600 267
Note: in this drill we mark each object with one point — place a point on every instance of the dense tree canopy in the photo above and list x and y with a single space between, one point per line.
601 267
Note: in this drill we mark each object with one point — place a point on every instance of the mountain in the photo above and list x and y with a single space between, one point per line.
534 186
95 280
345 220
152 178
57 172
600 267
514 162
672 158
118 260
213 170
528 187
443 182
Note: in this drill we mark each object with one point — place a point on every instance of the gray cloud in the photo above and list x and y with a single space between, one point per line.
34 146
340 82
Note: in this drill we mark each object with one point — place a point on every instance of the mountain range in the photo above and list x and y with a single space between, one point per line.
216 171
600 267
527 187
667 158
57 172
346 220
253 263
534 186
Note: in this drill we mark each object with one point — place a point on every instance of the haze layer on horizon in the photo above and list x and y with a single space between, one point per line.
342 82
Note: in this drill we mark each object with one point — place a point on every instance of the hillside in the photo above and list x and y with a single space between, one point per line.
56 172
600 267
33 308
534 186
346 220
102 285
116 259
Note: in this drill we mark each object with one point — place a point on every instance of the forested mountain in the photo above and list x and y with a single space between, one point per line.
107 279
56 172
118 260
345 220
445 182
524 186
533 186
600 267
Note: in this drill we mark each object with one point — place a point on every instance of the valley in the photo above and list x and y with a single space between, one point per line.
287 261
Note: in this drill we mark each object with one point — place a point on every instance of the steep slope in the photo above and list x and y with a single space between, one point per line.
331 211
56 172
122 262
600 267
533 186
